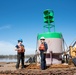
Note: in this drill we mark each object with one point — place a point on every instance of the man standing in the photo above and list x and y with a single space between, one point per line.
20 53
43 48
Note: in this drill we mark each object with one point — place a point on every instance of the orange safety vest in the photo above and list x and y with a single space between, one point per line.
42 47
22 49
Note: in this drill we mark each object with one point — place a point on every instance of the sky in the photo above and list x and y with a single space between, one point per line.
24 19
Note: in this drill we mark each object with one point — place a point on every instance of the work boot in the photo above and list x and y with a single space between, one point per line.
22 67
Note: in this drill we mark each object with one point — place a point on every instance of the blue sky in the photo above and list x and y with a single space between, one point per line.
24 19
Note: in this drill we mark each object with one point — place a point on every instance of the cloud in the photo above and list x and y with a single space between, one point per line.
7 48
29 51
5 27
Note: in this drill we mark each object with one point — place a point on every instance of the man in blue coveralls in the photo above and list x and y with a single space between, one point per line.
43 48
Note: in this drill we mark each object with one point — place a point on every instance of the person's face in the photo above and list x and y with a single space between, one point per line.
20 42
42 40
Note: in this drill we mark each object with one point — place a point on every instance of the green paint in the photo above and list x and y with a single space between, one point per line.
50 35
49 19
48 16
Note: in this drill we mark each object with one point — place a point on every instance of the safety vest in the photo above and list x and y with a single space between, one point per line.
42 47
21 49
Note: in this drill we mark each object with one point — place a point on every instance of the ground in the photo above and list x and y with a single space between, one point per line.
34 69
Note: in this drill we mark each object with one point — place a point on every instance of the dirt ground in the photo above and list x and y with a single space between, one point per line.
34 69
9 66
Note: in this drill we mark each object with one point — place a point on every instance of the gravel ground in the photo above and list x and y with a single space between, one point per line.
33 69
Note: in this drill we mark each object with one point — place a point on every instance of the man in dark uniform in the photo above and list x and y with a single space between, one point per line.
43 48
20 53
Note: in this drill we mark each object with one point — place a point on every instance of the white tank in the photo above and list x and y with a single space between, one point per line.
55 44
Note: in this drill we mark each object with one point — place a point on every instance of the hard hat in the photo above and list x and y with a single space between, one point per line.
42 38
20 40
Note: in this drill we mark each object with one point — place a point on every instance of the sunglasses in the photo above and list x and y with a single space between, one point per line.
42 39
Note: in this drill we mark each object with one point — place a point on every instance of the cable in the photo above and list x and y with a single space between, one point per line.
73 41
65 44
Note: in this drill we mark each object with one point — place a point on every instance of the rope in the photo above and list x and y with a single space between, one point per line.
73 41
64 44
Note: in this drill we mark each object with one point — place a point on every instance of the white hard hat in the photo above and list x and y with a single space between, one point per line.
42 38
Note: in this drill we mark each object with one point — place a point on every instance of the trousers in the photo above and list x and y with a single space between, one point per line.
20 56
43 60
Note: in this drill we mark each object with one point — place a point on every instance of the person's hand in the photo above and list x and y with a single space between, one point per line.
45 52
16 49
19 48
